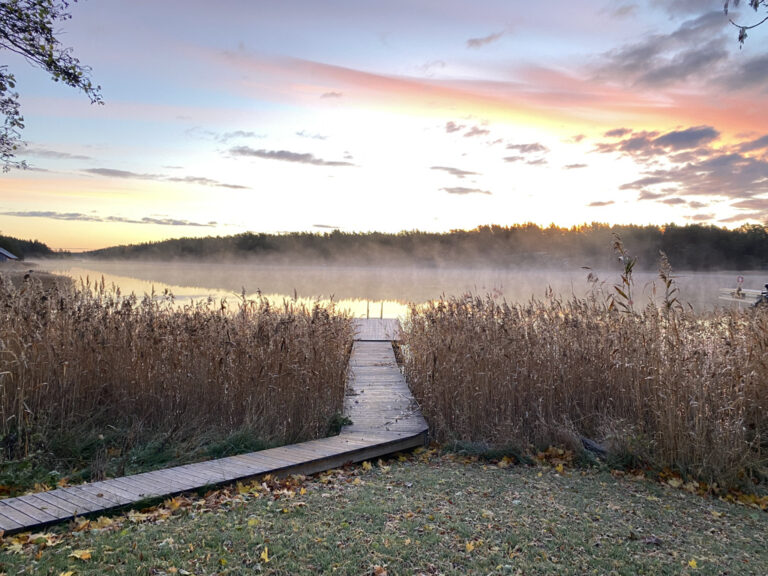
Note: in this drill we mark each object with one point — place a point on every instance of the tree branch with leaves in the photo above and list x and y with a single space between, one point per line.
27 28
755 5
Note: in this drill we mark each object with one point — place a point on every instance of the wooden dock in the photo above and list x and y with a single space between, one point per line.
385 419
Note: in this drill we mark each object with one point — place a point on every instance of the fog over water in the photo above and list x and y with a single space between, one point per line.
371 290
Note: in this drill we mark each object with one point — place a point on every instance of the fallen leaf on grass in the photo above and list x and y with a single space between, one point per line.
81 554
367 466
675 482
265 555
505 462
379 571
67 573
693 564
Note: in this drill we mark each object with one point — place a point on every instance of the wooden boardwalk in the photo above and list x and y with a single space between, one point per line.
385 419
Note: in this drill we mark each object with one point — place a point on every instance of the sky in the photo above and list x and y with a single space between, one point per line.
362 115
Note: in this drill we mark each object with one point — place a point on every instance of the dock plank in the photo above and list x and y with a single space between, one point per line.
385 419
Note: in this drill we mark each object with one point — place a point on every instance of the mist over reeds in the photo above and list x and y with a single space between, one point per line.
660 386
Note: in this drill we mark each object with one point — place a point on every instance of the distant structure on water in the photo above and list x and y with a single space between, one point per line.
5 255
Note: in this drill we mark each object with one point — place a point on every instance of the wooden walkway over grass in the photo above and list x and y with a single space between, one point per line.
385 419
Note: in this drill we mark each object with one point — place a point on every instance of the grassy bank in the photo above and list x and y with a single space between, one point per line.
94 383
427 514
661 387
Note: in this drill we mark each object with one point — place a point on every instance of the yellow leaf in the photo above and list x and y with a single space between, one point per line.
253 521
101 523
469 546
265 554
367 466
505 462
223 561
675 482
692 563
81 554
67 573
560 469
302 491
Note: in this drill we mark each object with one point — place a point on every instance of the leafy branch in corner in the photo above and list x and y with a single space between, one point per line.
755 5
27 29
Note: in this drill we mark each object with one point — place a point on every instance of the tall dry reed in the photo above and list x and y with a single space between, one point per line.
666 386
90 360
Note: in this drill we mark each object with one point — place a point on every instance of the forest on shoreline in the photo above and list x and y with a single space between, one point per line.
690 247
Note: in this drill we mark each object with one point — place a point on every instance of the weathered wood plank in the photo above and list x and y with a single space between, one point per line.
40 516
385 420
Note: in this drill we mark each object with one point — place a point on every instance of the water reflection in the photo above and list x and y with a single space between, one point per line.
379 292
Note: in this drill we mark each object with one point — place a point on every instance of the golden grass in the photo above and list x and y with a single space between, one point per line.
89 360
665 387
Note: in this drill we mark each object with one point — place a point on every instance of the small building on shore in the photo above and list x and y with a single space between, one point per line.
6 256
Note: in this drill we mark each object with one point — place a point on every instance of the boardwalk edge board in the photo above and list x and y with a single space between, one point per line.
388 421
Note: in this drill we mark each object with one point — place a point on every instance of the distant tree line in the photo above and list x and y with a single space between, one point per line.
27 248
690 247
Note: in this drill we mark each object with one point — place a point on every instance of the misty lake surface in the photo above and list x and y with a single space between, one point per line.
385 291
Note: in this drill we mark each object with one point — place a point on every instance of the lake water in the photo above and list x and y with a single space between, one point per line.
380 291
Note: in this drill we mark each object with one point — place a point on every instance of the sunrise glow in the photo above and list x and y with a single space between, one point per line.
303 115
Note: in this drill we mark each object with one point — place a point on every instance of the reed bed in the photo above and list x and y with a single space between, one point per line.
663 387
90 363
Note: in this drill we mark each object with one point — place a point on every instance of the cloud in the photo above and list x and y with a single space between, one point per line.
688 138
125 174
227 136
757 144
680 7
476 131
574 166
205 182
285 156
532 148
648 195
695 50
112 173
79 217
455 171
331 95
760 204
537 162
325 226
673 201
617 132
305 134
52 154
650 144
514 158
453 127
702 217
624 11
683 166
480 42
600 203
428 67
460 190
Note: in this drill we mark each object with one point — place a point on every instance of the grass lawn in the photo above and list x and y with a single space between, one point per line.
417 514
